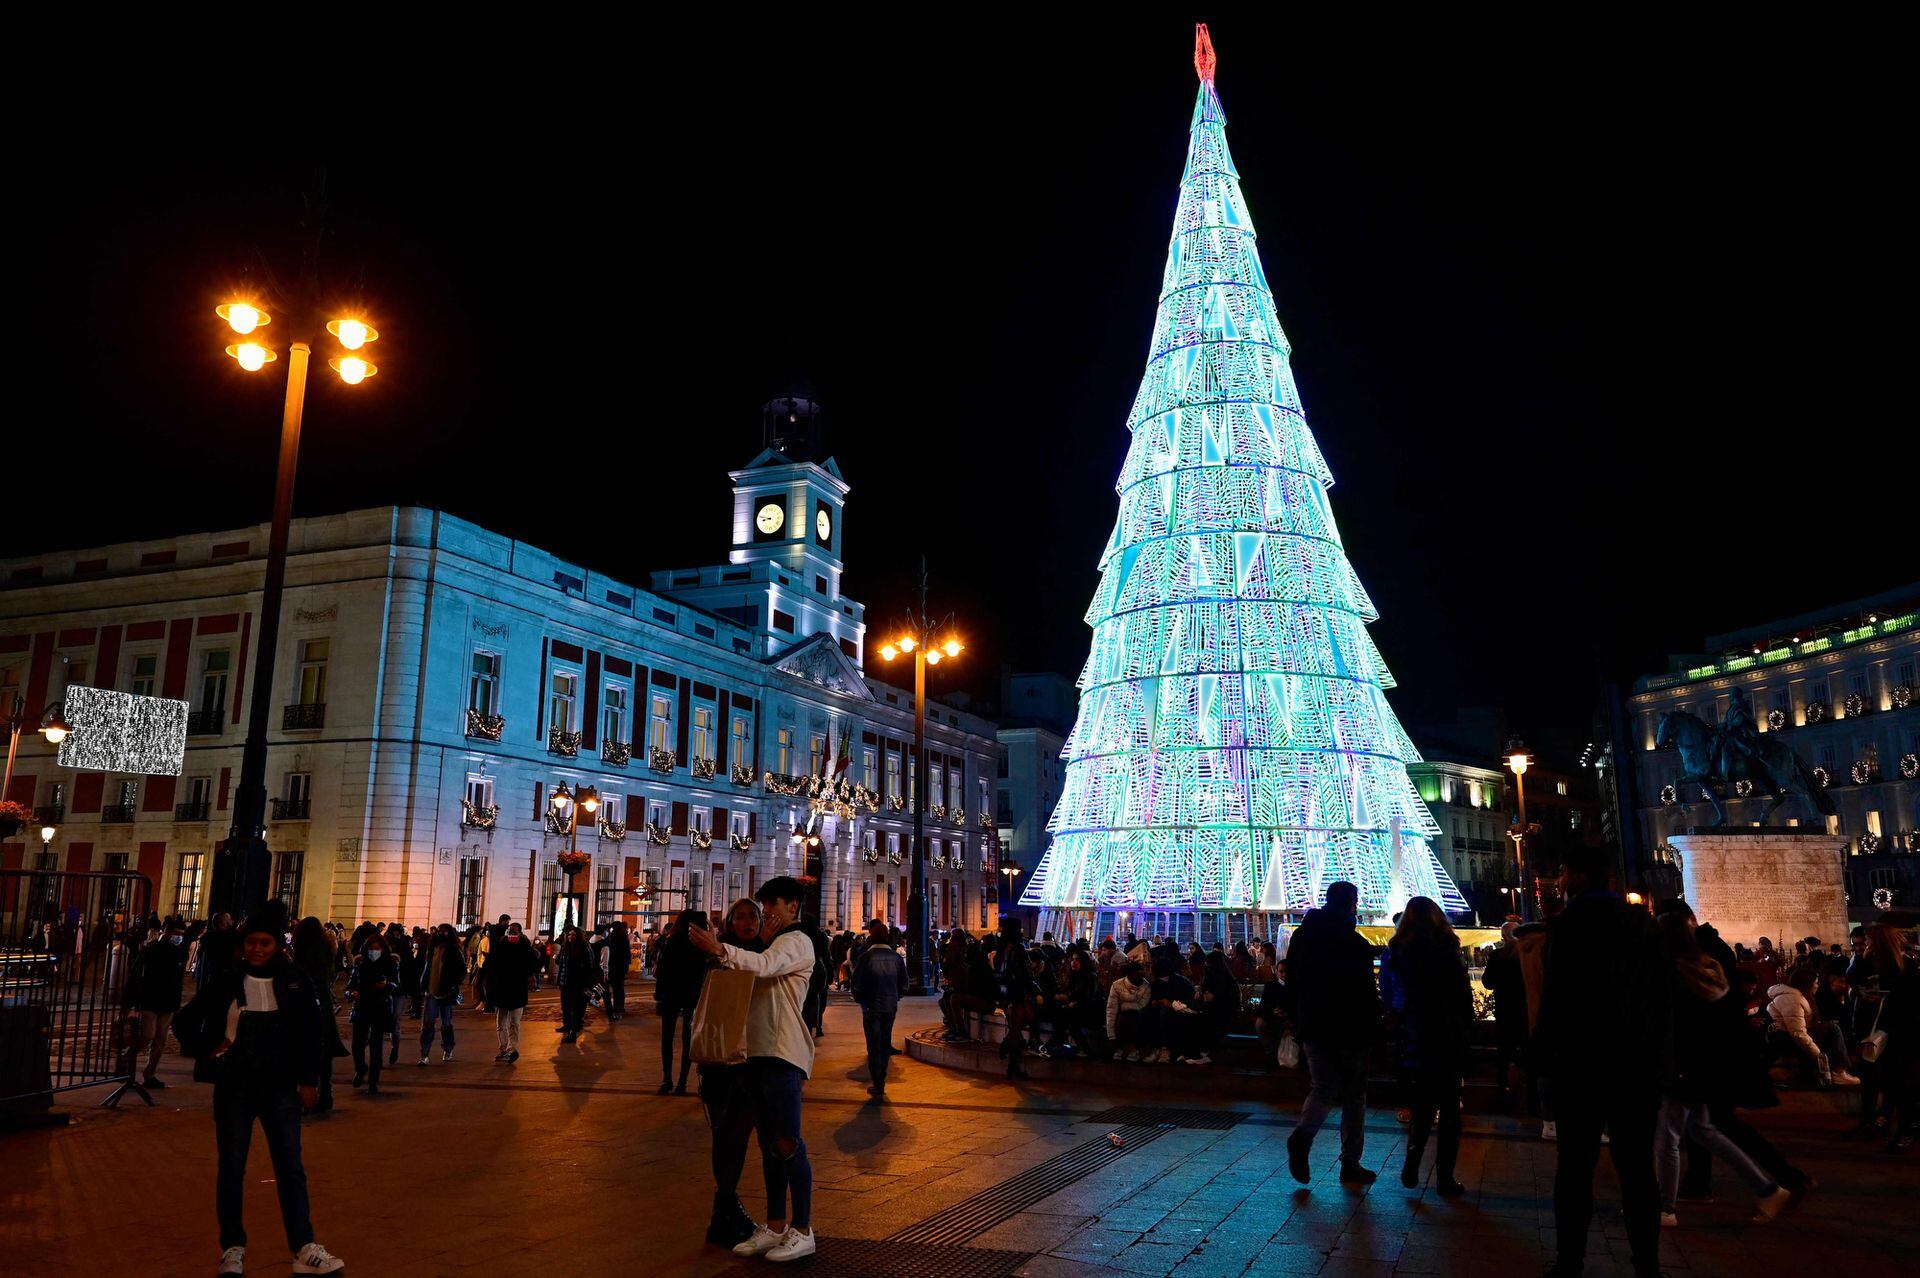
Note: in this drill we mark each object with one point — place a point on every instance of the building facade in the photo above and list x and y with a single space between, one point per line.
439 681
1469 804
1842 686
1037 712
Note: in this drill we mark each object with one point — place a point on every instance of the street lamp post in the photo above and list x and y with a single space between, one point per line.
1013 872
1518 760
920 639
243 866
53 726
566 803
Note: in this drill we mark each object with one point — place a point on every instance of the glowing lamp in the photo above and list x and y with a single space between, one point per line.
47 832
1517 756
589 798
953 647
933 656
909 643
352 369
888 652
54 727
561 797
353 334
242 317
252 356
1634 898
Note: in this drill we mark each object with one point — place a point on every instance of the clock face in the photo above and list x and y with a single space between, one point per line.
823 524
771 516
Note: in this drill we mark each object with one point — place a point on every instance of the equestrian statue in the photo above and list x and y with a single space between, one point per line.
1738 751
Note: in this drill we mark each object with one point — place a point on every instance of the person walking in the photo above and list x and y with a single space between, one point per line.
1885 985
1336 1019
509 973
254 1032
1604 1038
440 983
153 990
729 1106
370 988
878 979
780 1047
619 951
1436 1020
577 974
679 973
1014 976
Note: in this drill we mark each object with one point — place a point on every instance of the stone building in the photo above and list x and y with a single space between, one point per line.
437 682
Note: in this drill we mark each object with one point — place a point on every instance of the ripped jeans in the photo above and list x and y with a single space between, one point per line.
774 1084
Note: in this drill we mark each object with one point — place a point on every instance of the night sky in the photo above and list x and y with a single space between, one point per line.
1586 321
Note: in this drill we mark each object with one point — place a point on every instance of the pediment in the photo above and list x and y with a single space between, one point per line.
820 661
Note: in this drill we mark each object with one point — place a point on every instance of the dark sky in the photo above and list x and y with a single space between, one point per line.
1584 319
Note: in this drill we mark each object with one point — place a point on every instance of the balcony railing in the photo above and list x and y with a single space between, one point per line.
658 834
192 810
485 727
784 783
203 723
479 818
741 774
563 743
291 809
661 760
613 831
616 752
558 822
702 769
739 842
117 814
701 839
50 814
305 717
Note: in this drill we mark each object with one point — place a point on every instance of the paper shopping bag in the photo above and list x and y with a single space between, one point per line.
720 1018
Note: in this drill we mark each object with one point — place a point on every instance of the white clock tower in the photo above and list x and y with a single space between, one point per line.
782 575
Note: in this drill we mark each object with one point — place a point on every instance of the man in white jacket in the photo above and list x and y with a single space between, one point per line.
779 1060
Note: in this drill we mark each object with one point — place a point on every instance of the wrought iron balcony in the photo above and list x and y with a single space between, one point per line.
558 822
50 813
117 814
701 839
306 717
658 834
291 809
661 760
741 774
485 727
938 811
702 769
898 803
203 723
782 783
560 742
986 821
613 831
739 842
479 818
192 810
616 752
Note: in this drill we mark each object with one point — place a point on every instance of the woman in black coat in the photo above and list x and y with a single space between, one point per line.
1436 1023
576 973
371 987
254 1032
679 973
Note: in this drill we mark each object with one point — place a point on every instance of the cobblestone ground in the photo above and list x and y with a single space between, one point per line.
569 1161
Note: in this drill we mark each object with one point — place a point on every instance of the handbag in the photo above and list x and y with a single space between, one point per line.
720 1017
1875 1043
1288 1056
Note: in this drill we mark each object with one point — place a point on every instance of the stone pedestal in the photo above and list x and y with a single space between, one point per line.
1764 883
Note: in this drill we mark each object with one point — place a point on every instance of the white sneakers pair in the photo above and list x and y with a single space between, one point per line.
310 1259
789 1245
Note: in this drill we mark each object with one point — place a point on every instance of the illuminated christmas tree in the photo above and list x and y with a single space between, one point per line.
1234 749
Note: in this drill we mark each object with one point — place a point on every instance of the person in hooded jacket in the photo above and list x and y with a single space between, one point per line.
370 988
254 1032
508 973
679 974
159 976
576 974
1436 1018
1336 1004
1014 976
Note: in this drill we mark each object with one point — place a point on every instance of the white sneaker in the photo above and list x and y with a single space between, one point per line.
1668 1220
447 1055
233 1260
315 1259
763 1241
1771 1205
1549 1131
1843 1079
795 1245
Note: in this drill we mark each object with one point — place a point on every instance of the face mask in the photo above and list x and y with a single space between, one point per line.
176 940
374 951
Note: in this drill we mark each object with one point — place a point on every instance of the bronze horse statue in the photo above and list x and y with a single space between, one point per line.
1710 756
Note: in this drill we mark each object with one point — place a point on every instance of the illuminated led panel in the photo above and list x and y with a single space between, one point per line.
1234 747
120 732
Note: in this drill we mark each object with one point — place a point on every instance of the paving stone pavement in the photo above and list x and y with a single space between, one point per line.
571 1160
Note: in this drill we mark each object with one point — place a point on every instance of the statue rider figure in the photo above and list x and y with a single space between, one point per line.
1739 743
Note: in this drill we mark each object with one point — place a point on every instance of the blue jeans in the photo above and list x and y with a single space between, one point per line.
775 1087
878 1025
436 1009
235 1108
1689 1119
1339 1076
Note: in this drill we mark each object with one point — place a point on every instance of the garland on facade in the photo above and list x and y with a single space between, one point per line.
938 811
618 753
613 831
1863 771
1902 695
1856 705
898 803
557 823
1777 720
1816 711
478 818
1822 777
1910 765
1743 788
485 727
784 784
563 743
741 774
702 769
661 760
1883 898
870 853
739 842
702 839
1869 844
1669 795
658 835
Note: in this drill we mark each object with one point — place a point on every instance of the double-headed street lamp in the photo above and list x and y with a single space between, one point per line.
1013 873
1518 760
928 643
569 806
243 866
